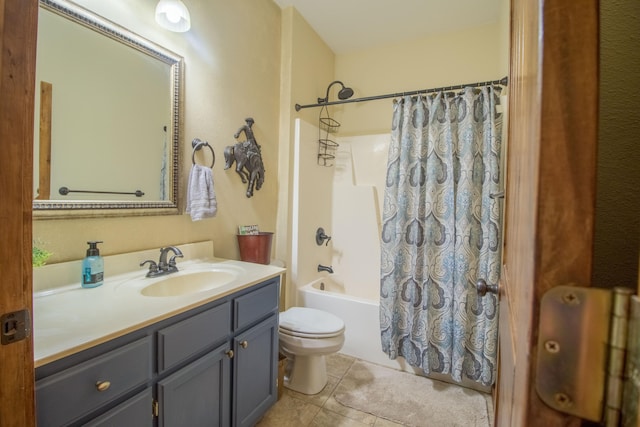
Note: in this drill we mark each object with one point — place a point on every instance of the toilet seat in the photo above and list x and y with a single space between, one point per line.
310 336
307 322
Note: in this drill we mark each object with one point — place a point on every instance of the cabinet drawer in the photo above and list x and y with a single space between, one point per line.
255 305
187 338
134 412
73 393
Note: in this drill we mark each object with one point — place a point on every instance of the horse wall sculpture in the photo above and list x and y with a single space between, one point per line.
248 162
248 159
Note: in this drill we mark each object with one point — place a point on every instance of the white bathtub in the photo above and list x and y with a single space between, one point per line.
359 313
362 322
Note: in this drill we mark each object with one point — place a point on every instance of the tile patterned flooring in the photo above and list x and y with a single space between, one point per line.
322 410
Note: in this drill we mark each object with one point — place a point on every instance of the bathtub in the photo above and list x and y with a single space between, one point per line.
360 313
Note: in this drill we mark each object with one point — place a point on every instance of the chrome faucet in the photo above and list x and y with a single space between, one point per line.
328 269
169 267
163 267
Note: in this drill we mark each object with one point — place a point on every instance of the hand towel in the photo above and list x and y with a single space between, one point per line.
201 197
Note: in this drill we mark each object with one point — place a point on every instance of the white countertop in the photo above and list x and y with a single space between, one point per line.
68 319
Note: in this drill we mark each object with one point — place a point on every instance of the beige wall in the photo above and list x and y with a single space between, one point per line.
454 58
232 71
307 68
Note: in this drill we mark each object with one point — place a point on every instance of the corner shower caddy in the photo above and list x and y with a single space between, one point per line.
326 146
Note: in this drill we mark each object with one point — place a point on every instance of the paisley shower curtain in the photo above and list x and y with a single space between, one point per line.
442 232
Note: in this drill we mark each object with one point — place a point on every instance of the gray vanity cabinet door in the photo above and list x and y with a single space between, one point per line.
198 394
255 372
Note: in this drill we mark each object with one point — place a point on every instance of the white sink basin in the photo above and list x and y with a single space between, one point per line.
184 283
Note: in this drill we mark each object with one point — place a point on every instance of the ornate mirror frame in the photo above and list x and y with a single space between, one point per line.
98 208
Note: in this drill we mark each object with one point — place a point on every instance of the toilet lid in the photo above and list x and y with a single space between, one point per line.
309 322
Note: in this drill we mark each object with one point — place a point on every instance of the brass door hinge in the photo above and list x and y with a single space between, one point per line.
15 326
155 408
582 346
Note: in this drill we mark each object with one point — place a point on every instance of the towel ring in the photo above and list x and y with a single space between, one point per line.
197 144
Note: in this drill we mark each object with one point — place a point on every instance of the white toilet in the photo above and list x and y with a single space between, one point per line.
306 336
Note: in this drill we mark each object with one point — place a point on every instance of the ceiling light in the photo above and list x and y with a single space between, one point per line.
173 15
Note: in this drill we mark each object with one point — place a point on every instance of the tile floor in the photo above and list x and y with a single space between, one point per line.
322 410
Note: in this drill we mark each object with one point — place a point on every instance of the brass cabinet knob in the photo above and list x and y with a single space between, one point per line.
103 385
229 354
244 344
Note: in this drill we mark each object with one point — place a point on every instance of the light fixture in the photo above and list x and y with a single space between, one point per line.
173 15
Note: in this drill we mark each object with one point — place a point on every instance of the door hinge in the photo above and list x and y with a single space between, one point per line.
631 392
155 408
582 345
16 326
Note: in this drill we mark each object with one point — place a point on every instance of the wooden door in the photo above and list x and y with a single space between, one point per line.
18 20
550 192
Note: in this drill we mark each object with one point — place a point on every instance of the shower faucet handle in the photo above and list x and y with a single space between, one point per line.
321 237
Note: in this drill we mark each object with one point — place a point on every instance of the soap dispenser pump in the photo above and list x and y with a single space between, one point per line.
92 266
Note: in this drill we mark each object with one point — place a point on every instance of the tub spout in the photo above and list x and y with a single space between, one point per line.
328 269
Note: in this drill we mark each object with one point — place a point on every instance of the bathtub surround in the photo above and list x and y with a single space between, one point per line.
343 200
441 234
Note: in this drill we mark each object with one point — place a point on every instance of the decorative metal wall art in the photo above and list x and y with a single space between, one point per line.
247 157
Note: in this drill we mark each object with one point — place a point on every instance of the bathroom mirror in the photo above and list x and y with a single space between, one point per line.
108 115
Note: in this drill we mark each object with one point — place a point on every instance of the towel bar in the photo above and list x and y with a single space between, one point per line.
65 190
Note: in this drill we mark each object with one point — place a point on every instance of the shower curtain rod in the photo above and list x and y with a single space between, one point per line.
503 81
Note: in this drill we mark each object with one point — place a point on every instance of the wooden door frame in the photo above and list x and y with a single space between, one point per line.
18 27
566 214
551 183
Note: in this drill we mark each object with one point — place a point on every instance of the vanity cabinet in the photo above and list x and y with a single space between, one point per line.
214 365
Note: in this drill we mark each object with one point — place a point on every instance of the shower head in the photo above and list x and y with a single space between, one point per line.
345 93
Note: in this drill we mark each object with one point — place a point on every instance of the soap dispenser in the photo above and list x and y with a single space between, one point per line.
92 267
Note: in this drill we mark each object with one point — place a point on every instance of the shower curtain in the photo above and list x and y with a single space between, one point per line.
442 232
